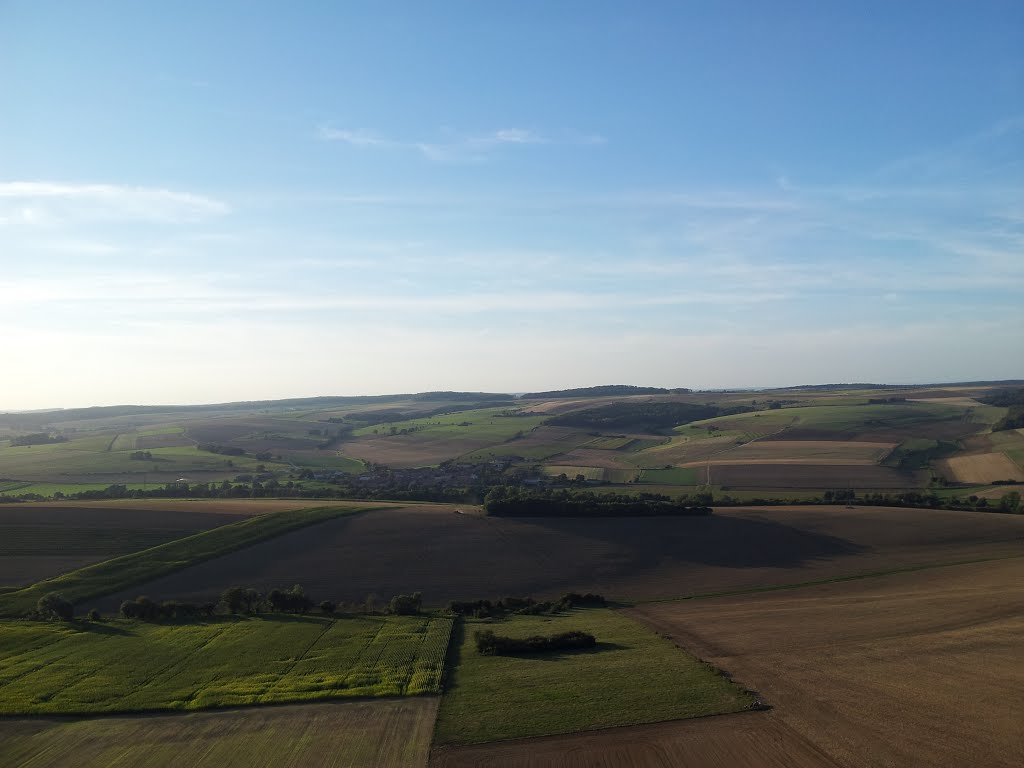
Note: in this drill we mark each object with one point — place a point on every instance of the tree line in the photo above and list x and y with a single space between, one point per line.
514 501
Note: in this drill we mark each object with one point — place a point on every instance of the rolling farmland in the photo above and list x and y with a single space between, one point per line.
381 733
449 556
492 698
122 666
915 669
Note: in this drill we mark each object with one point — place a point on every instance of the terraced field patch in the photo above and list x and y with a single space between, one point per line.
122 666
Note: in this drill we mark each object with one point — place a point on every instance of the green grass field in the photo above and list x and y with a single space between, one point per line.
674 476
633 676
48 489
139 567
89 455
122 666
484 424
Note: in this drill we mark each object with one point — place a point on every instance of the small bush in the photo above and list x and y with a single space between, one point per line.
490 644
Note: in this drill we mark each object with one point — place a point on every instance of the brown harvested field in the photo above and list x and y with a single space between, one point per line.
910 669
981 468
40 540
384 733
680 451
448 556
244 507
776 476
805 452
418 449
725 741
597 457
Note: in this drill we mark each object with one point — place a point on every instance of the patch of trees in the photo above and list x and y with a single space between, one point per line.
525 605
1012 420
645 417
38 438
223 450
885 400
141 455
406 605
1004 398
606 390
512 501
53 607
490 644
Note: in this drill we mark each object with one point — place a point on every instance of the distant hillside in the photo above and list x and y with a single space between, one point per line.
607 390
641 416
31 419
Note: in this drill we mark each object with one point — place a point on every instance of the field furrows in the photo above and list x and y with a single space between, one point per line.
382 733
126 666
914 669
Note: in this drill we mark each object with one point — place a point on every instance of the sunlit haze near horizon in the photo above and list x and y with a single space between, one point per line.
210 202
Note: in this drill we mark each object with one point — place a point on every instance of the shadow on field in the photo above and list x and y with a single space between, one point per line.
715 540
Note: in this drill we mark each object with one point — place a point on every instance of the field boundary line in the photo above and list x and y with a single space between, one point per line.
814 582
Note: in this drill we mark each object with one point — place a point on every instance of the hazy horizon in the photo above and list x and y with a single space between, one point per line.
246 201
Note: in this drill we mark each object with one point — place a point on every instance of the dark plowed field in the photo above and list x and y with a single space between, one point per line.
781 476
447 555
37 542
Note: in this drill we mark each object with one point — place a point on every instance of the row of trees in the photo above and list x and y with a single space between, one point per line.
512 501
525 605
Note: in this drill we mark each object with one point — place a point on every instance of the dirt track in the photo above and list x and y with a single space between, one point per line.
449 556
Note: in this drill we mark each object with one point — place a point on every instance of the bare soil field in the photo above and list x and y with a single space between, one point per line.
384 733
41 540
787 475
981 468
447 555
911 669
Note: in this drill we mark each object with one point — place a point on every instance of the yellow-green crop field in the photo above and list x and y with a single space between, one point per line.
125 666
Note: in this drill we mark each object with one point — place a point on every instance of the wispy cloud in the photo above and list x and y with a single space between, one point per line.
454 147
355 138
41 201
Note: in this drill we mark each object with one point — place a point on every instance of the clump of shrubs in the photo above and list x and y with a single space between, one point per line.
53 607
490 644
405 605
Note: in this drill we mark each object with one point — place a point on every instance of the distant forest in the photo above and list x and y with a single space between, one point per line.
607 390
646 417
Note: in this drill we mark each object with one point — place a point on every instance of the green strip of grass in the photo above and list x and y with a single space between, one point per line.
632 676
139 567
124 666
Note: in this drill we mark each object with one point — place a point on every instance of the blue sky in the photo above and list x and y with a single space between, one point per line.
220 201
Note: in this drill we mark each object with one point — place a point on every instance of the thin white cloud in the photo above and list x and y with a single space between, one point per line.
355 138
459 148
42 201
